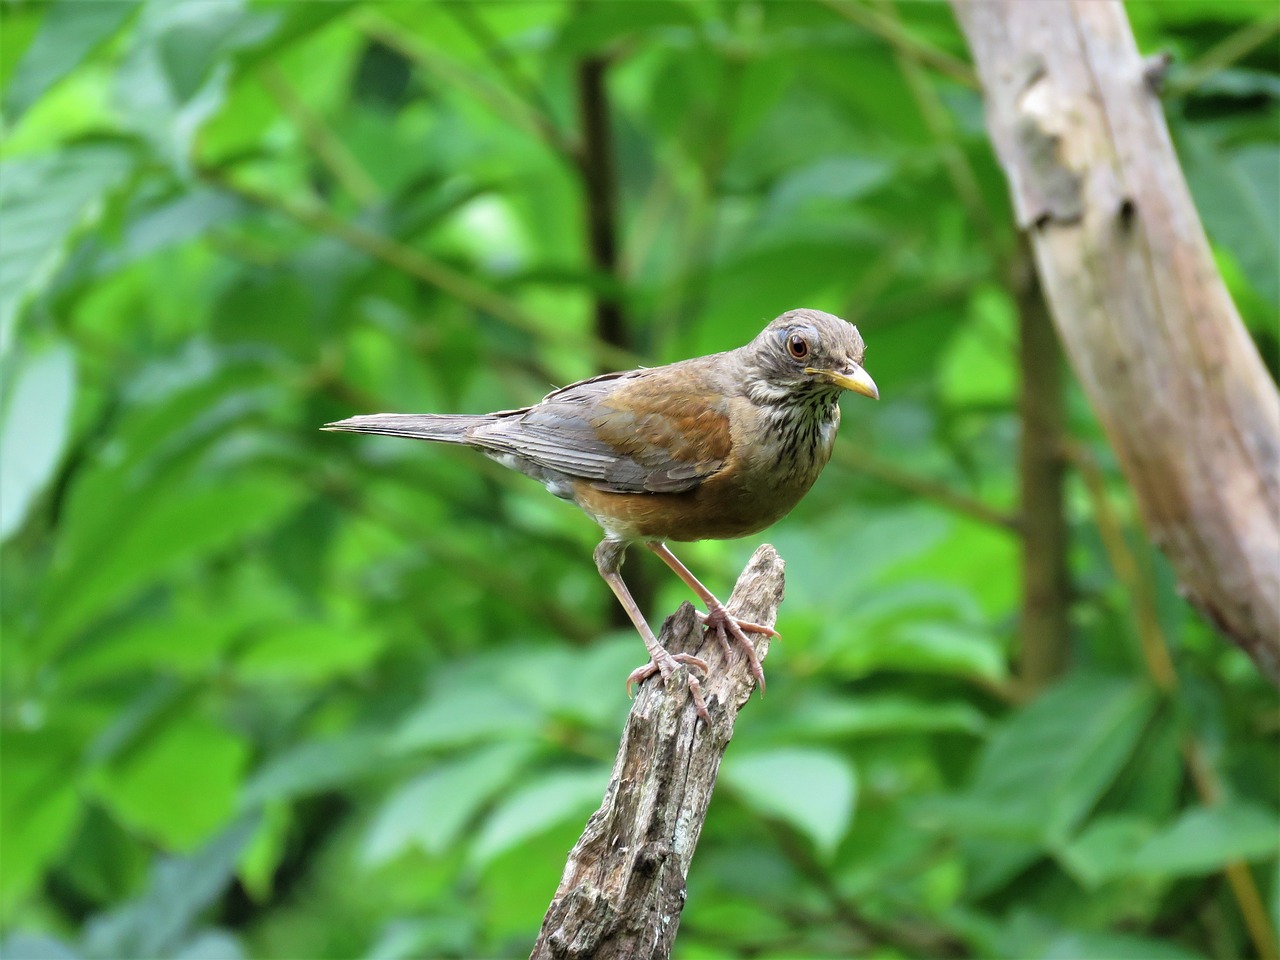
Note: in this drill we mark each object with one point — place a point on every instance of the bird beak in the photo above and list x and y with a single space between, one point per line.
855 379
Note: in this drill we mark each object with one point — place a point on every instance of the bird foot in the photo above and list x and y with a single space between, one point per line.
725 625
666 665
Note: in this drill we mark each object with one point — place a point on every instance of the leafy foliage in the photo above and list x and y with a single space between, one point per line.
272 692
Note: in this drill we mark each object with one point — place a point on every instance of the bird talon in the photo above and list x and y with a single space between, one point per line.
720 616
641 674
725 624
690 660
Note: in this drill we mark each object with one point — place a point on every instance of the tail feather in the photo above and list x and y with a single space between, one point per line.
443 428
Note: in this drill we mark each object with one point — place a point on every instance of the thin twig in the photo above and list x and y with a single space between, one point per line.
892 32
925 487
443 548
914 937
943 129
1140 591
425 268
326 145
1222 55
535 100
701 225
387 32
1209 788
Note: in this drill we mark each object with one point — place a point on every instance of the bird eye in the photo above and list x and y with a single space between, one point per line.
797 346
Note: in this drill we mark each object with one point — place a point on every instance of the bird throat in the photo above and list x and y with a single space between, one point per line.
801 427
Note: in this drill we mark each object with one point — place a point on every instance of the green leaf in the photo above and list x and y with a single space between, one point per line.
1237 192
529 811
978 368
1048 763
1086 945
307 652
1105 848
431 811
210 945
70 31
47 201
261 857
830 180
33 431
593 28
178 784
144 646
820 569
315 765
821 715
176 73
1205 839
460 714
36 946
943 647
175 526
39 806
157 923
812 790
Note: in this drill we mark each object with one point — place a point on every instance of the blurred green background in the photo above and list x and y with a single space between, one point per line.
272 692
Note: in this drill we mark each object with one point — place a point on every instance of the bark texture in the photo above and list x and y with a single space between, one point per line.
1147 323
623 887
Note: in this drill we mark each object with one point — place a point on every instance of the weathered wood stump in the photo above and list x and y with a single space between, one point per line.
624 884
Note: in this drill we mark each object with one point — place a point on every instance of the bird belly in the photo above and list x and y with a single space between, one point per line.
724 507
761 481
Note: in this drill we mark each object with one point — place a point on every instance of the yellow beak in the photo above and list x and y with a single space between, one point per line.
857 380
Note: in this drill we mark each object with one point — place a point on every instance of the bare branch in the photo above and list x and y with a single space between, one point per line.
1141 308
1045 632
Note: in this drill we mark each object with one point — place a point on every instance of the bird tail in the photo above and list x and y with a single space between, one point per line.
442 428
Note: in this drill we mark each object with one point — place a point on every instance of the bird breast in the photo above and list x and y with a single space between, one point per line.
776 455
790 445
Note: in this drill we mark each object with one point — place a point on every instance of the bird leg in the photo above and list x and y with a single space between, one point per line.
717 618
609 556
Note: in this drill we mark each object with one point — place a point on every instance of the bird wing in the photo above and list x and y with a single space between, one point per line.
626 433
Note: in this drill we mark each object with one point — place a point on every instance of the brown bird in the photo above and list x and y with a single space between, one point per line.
712 448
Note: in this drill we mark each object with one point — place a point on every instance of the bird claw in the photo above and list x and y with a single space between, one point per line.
724 624
666 666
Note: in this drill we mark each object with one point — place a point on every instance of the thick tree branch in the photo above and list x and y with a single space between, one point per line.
1046 587
597 172
624 884
599 188
1146 320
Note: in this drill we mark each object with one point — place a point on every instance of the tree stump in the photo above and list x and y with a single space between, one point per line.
623 887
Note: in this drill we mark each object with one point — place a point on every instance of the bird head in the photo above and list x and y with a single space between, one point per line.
808 351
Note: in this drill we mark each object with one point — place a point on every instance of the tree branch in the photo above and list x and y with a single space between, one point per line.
893 32
1221 56
1046 587
599 188
525 114
624 884
1148 325
925 487
324 143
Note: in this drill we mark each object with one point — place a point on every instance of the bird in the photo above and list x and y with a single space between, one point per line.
711 448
